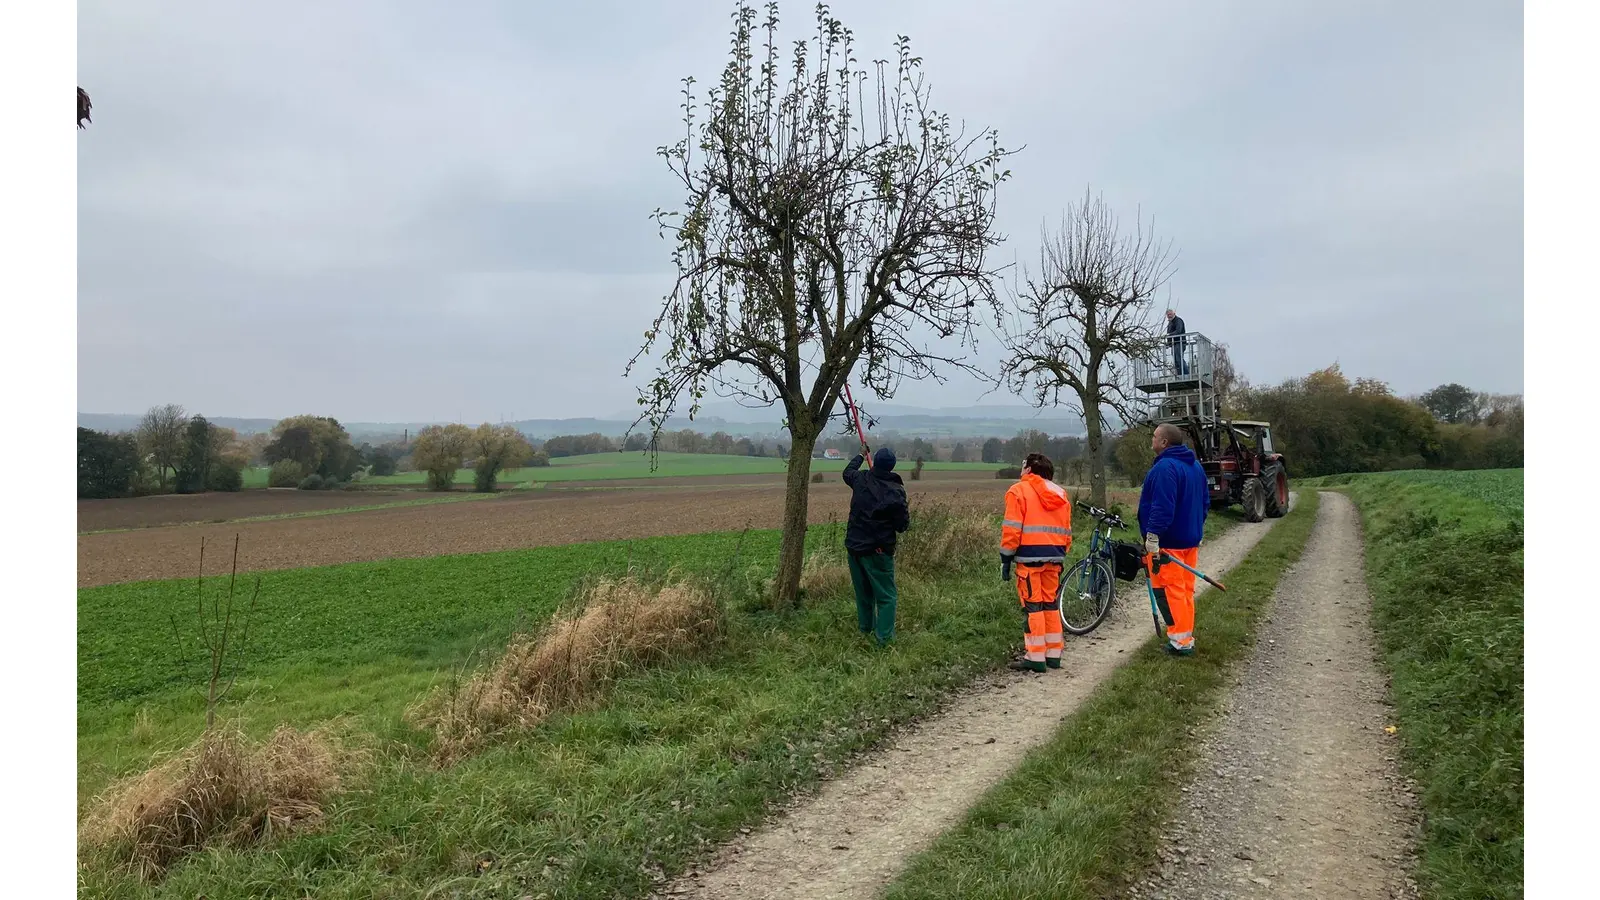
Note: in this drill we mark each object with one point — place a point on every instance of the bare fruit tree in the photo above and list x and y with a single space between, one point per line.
1078 323
835 225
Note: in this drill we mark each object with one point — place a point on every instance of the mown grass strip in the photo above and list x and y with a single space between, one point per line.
1081 816
1446 574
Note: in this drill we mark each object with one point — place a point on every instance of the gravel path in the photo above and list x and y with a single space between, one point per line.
1298 793
855 835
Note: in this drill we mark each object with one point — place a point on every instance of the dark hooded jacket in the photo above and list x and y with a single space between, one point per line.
878 509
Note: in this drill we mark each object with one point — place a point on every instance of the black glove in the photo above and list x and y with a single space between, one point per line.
1005 567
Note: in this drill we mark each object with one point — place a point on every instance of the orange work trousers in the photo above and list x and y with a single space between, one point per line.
1174 589
1036 591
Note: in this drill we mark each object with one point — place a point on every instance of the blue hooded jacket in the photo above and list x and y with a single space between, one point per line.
1175 499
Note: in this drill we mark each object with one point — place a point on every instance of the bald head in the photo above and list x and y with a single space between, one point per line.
1166 435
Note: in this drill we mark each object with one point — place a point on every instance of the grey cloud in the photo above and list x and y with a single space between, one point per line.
413 210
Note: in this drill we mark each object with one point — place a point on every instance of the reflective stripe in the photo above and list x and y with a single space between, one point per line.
1180 636
1005 552
1011 523
1029 559
1043 529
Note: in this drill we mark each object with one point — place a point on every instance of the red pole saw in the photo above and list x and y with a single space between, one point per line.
855 417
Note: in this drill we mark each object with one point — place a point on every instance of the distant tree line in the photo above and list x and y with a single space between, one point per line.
1325 423
168 452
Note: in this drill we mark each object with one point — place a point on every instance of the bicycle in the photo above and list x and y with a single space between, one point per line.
1089 587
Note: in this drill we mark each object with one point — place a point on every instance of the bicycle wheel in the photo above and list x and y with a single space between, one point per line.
1085 596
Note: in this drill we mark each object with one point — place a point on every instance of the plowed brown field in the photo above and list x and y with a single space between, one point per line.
514 520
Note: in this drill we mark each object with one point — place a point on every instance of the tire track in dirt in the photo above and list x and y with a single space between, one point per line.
855 835
1299 794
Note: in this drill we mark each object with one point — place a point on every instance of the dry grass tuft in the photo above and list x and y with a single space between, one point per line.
623 624
825 574
947 538
224 788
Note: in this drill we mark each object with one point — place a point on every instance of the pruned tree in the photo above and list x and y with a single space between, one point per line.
1077 324
161 436
835 224
440 450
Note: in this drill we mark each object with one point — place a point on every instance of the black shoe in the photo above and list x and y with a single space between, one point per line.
1170 650
1053 663
1025 665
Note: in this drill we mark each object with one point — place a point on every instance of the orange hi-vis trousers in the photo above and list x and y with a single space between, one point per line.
1174 589
1036 591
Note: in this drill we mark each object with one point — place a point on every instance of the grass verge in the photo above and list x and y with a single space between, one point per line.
1445 566
603 800
1081 816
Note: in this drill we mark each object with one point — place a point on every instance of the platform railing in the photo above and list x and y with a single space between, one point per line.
1182 358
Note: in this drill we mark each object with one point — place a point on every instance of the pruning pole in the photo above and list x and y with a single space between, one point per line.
1169 558
855 417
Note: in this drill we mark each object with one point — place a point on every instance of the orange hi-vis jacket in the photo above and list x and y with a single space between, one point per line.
1038 523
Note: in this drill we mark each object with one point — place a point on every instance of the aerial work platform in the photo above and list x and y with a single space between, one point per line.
1179 379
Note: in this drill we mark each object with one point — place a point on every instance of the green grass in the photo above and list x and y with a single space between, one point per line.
627 466
1445 564
1498 488
1082 813
679 757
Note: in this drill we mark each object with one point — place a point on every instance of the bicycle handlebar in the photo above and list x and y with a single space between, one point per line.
1106 516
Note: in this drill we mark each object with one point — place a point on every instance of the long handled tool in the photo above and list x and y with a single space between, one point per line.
855 417
1169 558
1149 586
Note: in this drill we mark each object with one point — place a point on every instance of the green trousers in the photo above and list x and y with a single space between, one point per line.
872 575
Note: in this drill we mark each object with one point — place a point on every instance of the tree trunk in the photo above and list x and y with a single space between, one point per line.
1097 460
796 502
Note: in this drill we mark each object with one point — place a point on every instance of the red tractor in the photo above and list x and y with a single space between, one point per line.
1241 466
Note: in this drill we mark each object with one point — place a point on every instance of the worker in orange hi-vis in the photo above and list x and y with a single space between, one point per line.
1035 537
1172 515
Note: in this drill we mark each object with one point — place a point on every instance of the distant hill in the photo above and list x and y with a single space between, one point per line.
910 421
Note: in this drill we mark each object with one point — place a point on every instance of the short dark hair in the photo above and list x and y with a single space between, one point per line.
1172 434
1041 466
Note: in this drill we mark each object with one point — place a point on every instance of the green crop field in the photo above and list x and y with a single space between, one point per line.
626 466
1499 488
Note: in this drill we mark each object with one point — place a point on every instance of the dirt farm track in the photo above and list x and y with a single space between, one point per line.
165 532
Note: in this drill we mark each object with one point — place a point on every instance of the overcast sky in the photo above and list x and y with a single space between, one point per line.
404 211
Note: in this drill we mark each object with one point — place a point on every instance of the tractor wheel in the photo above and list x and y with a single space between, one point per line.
1254 500
1277 493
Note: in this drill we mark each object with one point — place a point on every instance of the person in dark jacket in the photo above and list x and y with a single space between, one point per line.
1172 515
1175 332
878 513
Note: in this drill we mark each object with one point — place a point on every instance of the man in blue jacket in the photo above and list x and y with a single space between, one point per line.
1172 514
878 512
